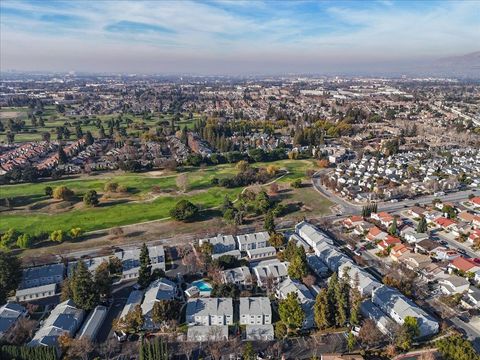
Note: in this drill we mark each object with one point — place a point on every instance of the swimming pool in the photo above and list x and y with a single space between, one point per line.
202 285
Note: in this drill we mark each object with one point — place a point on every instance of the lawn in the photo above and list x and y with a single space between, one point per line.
31 133
138 205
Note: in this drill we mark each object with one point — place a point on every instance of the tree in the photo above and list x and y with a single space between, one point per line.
351 341
182 182
248 352
269 224
296 184
10 274
392 230
297 268
130 323
276 240
24 241
7 238
369 334
103 280
455 347
89 140
408 331
62 193
291 312
155 349
83 289
62 157
281 330
145 270
57 236
48 191
76 232
355 303
422 225
165 310
90 198
184 210
115 265
321 310
242 166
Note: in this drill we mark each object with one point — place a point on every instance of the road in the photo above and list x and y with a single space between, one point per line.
472 333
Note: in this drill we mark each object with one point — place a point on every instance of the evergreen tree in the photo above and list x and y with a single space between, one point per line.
422 225
355 302
392 230
145 271
323 317
103 280
269 224
291 312
62 157
83 289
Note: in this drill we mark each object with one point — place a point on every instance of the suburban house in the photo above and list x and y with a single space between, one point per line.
330 256
261 253
221 243
270 270
454 285
370 311
415 262
288 285
398 251
398 307
255 311
40 282
239 276
42 275
474 237
426 246
9 315
417 211
317 265
235 253
134 299
65 318
383 217
389 242
375 234
209 311
445 223
352 222
131 260
443 253
161 289
252 241
36 292
311 234
203 333
366 282
412 236
471 300
463 265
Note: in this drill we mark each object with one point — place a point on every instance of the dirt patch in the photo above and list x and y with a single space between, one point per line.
9 114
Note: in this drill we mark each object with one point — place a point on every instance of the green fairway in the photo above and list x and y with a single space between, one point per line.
139 205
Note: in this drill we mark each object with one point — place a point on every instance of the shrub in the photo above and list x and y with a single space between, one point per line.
90 198
111 187
48 191
57 236
24 241
62 193
296 184
184 210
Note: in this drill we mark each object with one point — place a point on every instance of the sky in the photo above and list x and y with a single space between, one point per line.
233 37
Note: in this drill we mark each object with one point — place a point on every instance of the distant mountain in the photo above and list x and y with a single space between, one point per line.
467 65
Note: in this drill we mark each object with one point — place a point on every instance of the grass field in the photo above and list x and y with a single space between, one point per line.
139 206
31 133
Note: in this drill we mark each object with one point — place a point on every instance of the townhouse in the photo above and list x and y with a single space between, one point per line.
398 307
272 271
10 313
221 243
65 318
252 241
239 276
159 290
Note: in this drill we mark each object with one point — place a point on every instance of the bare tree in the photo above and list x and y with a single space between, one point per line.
369 334
21 331
109 348
182 182
187 348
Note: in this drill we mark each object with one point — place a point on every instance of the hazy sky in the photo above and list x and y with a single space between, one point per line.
233 36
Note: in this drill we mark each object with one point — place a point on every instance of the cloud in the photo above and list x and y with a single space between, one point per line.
206 36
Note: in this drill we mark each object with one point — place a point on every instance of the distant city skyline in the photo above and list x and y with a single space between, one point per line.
234 37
